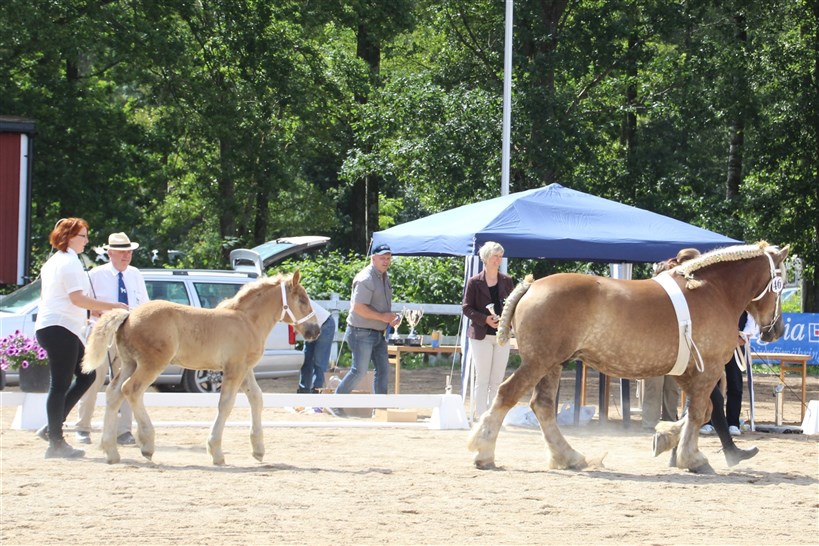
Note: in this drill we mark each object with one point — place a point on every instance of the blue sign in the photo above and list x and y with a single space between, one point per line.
801 337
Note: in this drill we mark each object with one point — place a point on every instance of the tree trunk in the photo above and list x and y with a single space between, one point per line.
544 20
629 132
260 222
810 286
810 295
227 196
364 195
733 179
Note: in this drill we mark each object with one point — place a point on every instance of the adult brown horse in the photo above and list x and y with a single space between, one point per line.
229 338
630 329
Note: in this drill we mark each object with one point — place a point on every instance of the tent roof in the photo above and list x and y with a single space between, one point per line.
550 222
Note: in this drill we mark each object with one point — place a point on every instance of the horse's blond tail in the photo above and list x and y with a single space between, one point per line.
102 337
509 309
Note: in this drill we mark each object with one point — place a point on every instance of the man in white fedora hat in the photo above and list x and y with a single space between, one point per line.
116 281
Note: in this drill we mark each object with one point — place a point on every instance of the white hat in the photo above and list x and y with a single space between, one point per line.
120 241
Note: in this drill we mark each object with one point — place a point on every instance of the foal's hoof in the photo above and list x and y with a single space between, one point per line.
734 456
147 454
705 468
485 465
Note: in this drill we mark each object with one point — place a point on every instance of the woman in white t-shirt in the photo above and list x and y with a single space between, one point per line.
60 329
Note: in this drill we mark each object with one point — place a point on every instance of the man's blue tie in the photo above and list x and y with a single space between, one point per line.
123 293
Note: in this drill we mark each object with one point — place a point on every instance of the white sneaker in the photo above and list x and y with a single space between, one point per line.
707 429
734 430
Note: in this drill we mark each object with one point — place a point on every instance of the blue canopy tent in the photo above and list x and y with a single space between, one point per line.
552 222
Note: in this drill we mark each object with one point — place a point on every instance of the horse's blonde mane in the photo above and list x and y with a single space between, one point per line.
727 254
251 288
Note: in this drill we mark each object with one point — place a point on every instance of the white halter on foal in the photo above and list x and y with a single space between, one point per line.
286 310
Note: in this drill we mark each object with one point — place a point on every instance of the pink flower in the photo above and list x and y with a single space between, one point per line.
19 351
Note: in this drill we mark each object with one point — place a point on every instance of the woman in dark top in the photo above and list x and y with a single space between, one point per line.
483 302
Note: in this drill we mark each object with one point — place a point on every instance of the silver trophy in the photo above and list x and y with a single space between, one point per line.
491 308
413 317
395 339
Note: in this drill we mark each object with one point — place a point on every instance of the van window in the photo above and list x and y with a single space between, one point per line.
210 294
168 290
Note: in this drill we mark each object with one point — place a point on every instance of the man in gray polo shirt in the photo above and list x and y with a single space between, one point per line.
369 317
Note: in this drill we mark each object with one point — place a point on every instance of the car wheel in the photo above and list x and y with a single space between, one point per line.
202 381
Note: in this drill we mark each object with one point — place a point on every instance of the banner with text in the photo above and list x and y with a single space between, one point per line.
801 337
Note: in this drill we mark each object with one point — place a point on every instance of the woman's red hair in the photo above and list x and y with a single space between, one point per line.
65 229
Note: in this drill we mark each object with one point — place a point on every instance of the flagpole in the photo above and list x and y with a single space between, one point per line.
507 97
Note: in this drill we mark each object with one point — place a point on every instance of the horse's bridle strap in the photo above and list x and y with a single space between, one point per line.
683 320
286 309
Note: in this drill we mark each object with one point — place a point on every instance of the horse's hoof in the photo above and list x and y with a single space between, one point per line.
112 460
704 468
485 465
258 456
661 443
147 454
734 456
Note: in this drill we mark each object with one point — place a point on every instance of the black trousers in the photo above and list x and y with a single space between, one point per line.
65 352
733 392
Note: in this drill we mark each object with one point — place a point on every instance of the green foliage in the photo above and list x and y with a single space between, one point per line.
413 279
203 126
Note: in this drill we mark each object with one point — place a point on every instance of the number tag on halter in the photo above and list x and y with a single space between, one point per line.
777 284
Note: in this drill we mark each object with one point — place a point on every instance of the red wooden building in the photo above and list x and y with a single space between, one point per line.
16 151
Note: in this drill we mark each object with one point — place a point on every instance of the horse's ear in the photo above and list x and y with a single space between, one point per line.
784 252
296 276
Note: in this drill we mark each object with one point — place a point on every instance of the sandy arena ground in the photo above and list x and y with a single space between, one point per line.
410 486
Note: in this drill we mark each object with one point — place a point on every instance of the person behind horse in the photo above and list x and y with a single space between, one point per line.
661 395
370 314
317 352
60 329
116 281
489 287
733 380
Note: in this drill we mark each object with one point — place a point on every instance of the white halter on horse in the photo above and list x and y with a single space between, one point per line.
686 342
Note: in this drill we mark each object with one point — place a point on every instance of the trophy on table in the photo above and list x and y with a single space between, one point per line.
395 339
413 317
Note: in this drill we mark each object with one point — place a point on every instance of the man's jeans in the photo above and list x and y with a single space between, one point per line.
316 357
366 345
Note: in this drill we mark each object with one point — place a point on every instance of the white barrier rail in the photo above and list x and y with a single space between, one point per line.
447 409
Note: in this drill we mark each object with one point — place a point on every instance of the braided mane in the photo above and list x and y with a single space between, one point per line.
727 254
